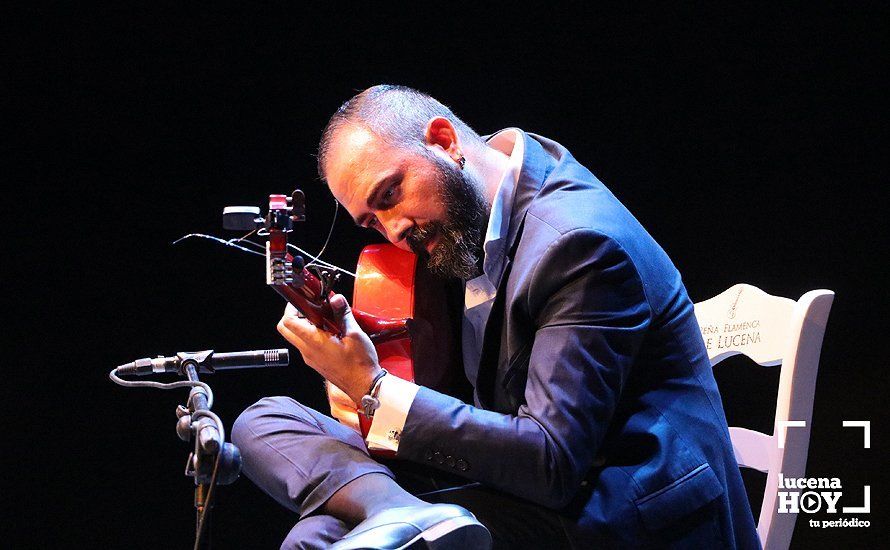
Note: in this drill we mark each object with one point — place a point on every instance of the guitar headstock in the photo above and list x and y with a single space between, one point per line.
286 273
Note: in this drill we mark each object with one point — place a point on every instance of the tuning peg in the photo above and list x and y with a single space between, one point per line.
298 206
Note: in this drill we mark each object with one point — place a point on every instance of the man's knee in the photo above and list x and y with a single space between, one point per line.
265 417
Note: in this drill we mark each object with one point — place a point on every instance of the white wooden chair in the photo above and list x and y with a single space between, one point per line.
771 330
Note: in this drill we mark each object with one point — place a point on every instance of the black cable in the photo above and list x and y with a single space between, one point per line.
208 502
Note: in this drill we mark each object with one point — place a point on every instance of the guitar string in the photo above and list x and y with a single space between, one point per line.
231 242
330 232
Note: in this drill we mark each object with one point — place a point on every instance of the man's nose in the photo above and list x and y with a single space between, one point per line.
394 227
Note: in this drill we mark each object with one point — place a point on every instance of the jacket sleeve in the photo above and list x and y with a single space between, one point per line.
590 315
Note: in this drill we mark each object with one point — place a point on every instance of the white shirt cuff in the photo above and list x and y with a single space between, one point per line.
396 396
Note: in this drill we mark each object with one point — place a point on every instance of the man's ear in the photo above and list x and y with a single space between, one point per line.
440 131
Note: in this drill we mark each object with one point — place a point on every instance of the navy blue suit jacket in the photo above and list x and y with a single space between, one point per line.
594 395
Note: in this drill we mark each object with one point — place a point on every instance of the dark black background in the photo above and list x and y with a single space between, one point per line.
750 143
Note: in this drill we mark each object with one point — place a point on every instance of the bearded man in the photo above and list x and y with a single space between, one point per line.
596 418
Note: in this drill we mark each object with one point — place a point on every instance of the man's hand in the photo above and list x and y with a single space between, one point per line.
342 407
350 362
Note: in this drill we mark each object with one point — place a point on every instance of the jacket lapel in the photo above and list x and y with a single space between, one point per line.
536 166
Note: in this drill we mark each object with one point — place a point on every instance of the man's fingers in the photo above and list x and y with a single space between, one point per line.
343 311
295 329
339 305
286 332
291 311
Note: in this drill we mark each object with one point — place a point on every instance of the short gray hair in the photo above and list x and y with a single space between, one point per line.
397 114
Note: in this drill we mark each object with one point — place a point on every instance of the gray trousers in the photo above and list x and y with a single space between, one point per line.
301 457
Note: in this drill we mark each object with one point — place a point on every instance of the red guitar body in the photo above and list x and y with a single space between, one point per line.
385 289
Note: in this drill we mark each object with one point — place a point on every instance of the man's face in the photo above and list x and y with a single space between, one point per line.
419 202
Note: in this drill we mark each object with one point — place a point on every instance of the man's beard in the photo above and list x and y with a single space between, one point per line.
459 248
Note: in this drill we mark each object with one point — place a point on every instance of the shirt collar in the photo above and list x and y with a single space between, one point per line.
509 142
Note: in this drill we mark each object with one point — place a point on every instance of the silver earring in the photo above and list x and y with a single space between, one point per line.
462 161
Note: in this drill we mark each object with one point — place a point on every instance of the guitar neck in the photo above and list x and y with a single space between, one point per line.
307 299
310 296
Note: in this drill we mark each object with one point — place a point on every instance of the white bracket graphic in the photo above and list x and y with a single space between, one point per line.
866 508
866 427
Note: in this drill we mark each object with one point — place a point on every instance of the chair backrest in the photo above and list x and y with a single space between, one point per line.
771 331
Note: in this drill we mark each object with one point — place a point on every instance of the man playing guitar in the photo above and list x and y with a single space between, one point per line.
595 419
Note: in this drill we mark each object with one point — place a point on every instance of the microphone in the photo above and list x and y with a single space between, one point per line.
207 361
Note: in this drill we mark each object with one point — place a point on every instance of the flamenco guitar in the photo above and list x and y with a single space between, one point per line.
403 325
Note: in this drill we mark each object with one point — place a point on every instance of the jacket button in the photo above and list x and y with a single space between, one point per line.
428 454
438 457
462 465
449 461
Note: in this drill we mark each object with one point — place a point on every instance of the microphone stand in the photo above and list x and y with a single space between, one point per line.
213 461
